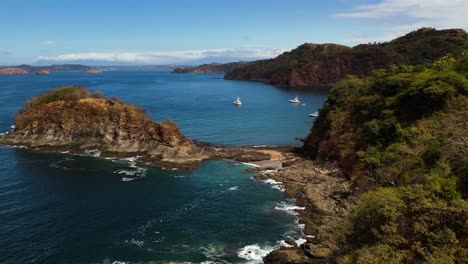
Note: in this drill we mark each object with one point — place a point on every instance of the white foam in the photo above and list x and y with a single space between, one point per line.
250 164
125 179
92 152
12 127
254 252
179 176
300 241
233 188
279 188
272 182
131 159
289 208
135 242
283 243
213 253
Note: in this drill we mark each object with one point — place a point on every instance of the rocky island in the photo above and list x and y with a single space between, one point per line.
43 71
75 120
93 71
12 71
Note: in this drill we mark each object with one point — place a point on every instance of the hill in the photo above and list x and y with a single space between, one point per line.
312 65
210 68
400 135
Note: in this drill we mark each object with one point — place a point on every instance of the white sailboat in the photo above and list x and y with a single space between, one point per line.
314 114
238 101
295 100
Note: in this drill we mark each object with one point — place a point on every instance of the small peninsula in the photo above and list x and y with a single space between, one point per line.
12 71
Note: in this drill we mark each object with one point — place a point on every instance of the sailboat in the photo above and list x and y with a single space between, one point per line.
238 101
314 114
295 100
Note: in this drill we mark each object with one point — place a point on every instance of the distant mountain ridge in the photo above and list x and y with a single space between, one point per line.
52 68
312 65
211 68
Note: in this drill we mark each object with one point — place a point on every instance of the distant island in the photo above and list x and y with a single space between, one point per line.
12 71
43 71
312 65
93 71
210 68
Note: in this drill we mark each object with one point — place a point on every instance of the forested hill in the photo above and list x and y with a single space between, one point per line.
311 65
401 136
210 68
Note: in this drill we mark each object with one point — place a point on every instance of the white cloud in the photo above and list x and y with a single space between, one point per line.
395 14
165 57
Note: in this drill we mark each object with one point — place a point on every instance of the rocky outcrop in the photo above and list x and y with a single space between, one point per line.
315 65
210 68
12 71
72 119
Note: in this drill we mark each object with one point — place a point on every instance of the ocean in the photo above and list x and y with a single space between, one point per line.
58 208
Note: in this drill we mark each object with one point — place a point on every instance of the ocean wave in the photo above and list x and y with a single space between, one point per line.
59 164
213 253
138 243
300 241
274 184
233 188
288 207
133 172
92 152
254 252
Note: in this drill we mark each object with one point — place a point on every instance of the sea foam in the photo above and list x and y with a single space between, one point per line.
254 252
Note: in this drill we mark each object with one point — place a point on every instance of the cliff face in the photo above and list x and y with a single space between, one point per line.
10 71
210 68
311 65
73 119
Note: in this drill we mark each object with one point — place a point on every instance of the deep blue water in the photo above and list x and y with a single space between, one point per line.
200 104
57 208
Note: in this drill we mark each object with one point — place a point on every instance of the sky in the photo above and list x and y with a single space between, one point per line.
191 32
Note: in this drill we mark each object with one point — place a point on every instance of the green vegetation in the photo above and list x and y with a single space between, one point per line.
66 93
402 135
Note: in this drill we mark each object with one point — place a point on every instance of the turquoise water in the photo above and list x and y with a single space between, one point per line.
57 208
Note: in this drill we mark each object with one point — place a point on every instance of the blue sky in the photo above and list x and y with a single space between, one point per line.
160 32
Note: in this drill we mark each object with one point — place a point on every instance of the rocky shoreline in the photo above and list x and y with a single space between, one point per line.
326 196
